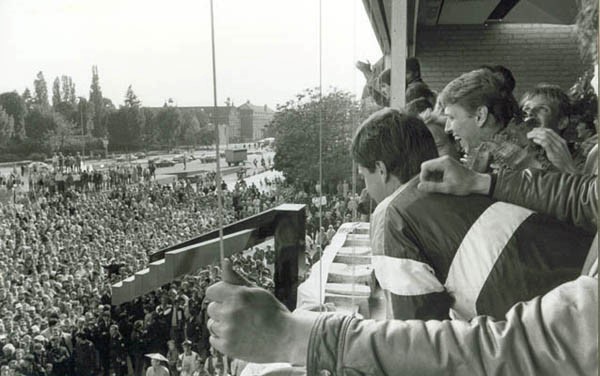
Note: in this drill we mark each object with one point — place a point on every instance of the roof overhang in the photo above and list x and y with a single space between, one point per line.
465 12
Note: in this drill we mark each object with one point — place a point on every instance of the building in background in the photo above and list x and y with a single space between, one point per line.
253 121
228 119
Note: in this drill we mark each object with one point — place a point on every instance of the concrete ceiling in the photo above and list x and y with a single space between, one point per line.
467 12
543 11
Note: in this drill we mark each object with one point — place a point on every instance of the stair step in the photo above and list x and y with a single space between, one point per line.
344 303
352 260
357 241
350 289
354 273
359 251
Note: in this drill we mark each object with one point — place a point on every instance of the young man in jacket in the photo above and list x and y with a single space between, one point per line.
437 256
554 334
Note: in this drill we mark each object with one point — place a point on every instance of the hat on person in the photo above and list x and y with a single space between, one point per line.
187 342
156 356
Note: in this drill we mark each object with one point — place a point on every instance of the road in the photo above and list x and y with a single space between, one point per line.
168 174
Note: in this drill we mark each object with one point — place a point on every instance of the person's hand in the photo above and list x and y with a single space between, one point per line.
555 147
249 323
447 175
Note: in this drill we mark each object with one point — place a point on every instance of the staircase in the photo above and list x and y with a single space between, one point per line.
349 278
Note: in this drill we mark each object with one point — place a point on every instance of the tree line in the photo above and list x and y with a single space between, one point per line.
35 125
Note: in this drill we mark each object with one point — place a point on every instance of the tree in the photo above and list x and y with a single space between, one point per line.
15 106
56 97
296 130
190 129
46 129
7 127
97 105
150 130
27 98
41 90
131 100
85 114
68 90
168 124
126 126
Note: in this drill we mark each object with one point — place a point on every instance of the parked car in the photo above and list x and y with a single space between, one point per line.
208 158
165 163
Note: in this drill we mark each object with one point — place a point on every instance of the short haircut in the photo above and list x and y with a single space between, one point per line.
420 91
477 88
504 73
402 142
416 106
413 65
553 94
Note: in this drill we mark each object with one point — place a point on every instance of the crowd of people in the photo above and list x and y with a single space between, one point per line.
63 248
502 281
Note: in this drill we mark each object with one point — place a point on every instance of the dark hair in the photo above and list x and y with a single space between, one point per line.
554 94
416 106
481 87
420 91
587 29
504 74
413 65
402 142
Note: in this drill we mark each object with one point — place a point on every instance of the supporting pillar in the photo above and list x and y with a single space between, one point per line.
399 37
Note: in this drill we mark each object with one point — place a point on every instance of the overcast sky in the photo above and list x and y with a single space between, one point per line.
267 50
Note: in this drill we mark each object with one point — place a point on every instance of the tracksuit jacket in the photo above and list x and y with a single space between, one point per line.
435 253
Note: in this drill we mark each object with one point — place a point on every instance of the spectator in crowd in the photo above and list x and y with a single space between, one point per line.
157 369
506 76
481 116
173 357
547 108
216 363
188 360
415 86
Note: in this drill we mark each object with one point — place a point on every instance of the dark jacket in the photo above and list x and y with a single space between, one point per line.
555 334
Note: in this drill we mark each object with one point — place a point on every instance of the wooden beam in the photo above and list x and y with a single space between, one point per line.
398 38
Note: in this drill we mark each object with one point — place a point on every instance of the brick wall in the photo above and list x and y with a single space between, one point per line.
534 52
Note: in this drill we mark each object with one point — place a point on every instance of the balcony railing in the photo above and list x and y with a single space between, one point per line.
285 223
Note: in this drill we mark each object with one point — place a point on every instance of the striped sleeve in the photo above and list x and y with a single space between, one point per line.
411 287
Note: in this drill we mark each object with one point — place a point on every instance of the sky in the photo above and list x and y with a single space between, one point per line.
267 51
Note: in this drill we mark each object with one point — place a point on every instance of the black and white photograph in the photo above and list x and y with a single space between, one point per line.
288 188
